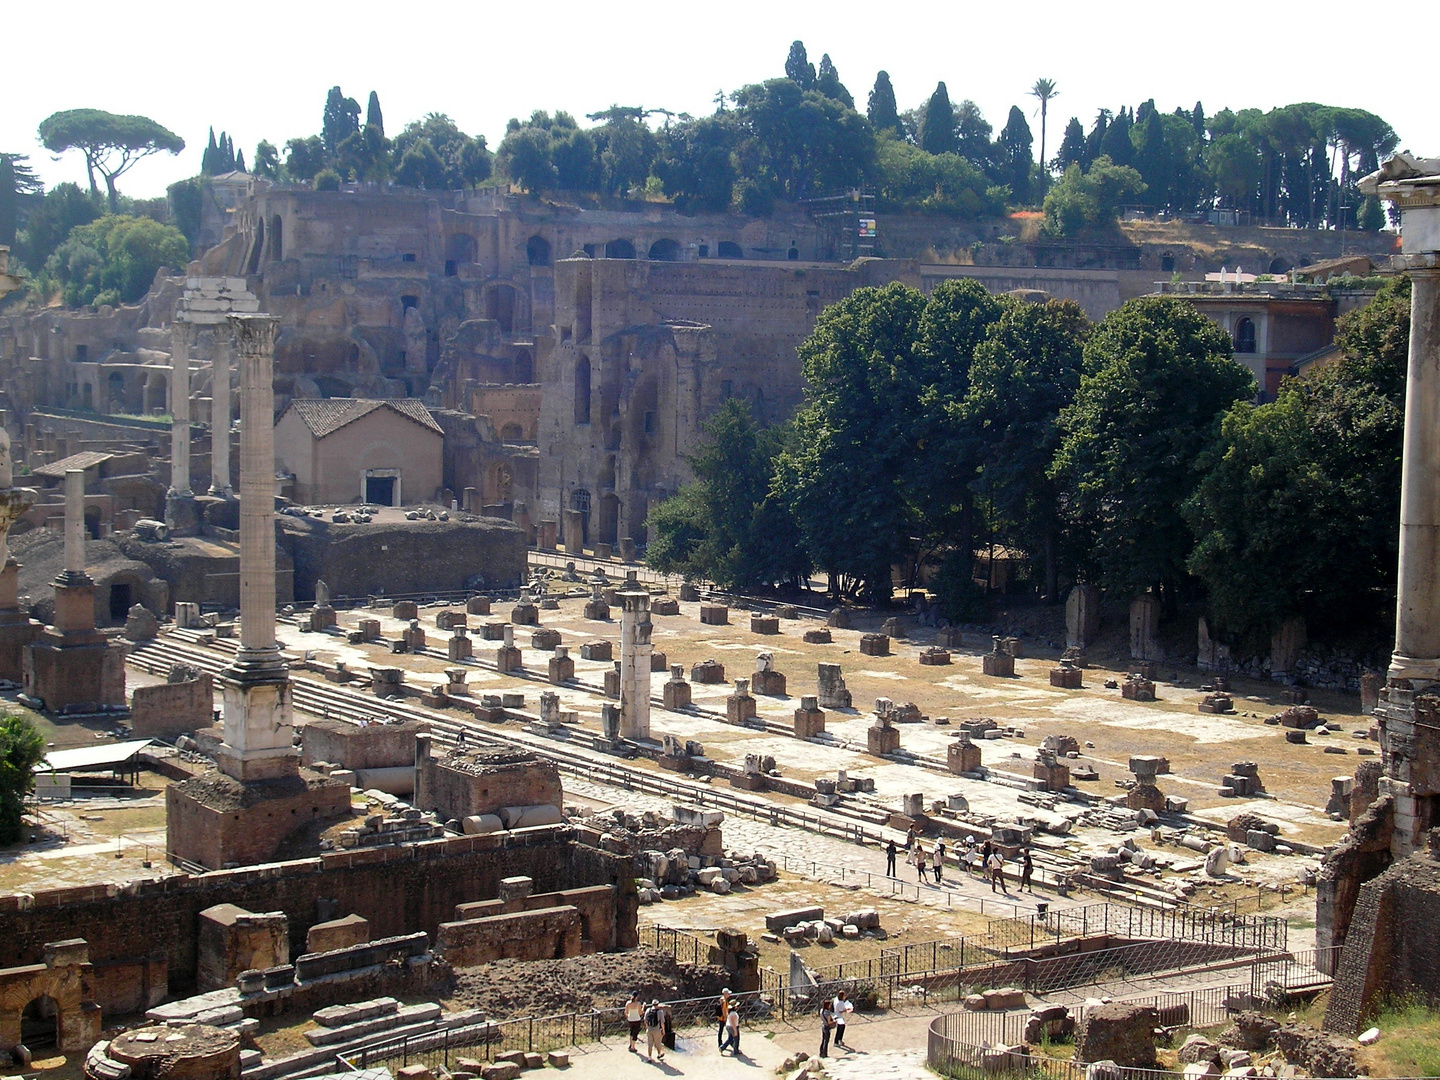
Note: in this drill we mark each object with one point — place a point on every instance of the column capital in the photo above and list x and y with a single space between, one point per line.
254 333
182 333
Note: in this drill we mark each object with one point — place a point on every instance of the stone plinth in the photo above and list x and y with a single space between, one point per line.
337 934
1122 1033
934 656
820 636
707 672
659 661
962 756
766 679
1066 676
664 605
764 624
689 592
525 614
1052 774
545 639
596 608
1216 703
561 668
508 659
17 629
477 605
998 664
71 665
740 706
459 647
875 644
809 719
830 688
596 650
882 738
1145 795
1082 616
187 1052
405 610
838 619
611 682
1144 624
493 631
1137 688
714 614
675 694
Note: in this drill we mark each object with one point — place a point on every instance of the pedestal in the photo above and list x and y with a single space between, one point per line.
17 629
71 665
182 513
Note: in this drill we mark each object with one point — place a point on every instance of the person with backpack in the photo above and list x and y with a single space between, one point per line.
827 1025
1027 870
939 860
996 866
922 867
890 858
654 1031
635 1018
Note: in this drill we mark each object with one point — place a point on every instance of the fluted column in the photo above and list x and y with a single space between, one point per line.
220 414
182 336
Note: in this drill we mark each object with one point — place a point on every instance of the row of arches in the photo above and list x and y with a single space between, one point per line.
666 249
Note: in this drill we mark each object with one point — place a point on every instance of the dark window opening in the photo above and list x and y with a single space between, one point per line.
727 389
619 249
1245 336
730 250
409 256
537 251
582 391
82 353
1167 263
119 601
649 422
524 367
380 490
704 251
40 1022
793 254
500 306
665 250
407 302
450 268
589 250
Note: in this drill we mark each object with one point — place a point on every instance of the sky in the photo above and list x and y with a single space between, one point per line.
261 71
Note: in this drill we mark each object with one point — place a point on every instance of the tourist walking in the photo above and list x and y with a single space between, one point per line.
732 1032
842 1007
922 867
724 1013
827 1026
1027 868
654 1032
967 857
996 865
910 838
890 858
939 863
635 1017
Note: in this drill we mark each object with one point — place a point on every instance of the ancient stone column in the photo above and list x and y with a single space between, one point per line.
181 337
258 709
74 522
635 652
17 629
220 415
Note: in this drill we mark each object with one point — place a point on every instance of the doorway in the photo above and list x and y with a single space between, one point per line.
119 601
39 1023
380 490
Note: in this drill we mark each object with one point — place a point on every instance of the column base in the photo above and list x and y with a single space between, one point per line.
1419 671
182 513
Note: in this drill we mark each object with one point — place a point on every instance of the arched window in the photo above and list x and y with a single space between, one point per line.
277 236
665 250
1245 336
512 433
582 391
537 251
728 249
524 367
619 249
500 306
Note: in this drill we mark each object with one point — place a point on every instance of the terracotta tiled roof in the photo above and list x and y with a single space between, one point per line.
324 416
86 459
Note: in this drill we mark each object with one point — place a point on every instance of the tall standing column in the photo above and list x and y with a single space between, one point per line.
74 522
182 336
220 415
74 591
1417 611
635 652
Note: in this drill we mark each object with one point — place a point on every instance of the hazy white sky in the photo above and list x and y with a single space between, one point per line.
261 70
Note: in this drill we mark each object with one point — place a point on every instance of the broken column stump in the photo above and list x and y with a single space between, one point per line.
875 644
882 737
1066 675
766 679
963 755
561 668
714 614
1145 795
809 719
740 706
707 671
675 694
998 662
831 689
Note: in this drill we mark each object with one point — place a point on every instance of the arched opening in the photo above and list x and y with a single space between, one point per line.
156 393
258 248
460 250
607 527
665 250
728 249
92 522
619 249
115 392
793 254
537 251
40 1023
524 367
277 236
1245 336
406 303
582 391
1279 266
1167 263
512 433
500 306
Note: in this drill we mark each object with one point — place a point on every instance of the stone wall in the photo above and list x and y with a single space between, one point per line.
373 746
547 934
213 820
170 709
463 784
398 889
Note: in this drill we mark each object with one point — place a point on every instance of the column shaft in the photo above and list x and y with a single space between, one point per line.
220 416
75 521
181 337
256 336
1417 616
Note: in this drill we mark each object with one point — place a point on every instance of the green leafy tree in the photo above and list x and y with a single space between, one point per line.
305 158
827 81
421 167
844 472
1044 92
909 179
267 161
1096 137
627 149
1372 216
1321 460
1024 373
1090 201
1072 147
186 198
50 221
112 144
465 162
364 154
972 135
881 109
937 128
524 154
20 189
798 68
726 526
1158 375
799 144
696 163
341 120
327 180
1013 155
22 748
1116 143
115 259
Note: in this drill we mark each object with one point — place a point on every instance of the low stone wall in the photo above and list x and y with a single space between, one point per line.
549 934
167 710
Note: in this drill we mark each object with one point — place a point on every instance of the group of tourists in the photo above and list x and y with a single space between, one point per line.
987 858
652 1018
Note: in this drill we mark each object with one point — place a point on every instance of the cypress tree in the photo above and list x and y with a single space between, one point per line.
881 110
937 129
373 116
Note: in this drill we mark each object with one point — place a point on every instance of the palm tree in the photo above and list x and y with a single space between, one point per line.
1044 89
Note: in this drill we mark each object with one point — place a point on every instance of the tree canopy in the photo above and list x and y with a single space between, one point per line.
111 143
22 748
114 259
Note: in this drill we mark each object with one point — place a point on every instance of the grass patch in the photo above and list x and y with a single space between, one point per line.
1409 1042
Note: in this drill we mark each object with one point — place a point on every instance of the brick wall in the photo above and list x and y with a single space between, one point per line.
548 934
458 793
374 746
170 709
399 890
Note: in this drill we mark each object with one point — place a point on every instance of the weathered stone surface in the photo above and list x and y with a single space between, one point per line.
1122 1033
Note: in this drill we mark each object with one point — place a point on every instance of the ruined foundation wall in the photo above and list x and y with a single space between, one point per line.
399 890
